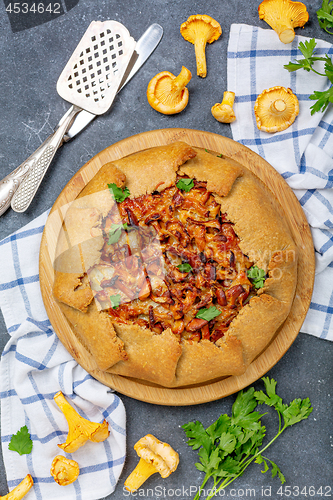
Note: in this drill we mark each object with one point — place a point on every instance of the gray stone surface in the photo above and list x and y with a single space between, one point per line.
30 62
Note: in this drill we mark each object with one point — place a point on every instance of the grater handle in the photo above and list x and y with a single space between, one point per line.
39 162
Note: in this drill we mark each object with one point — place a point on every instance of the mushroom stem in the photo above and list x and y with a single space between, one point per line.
139 475
286 33
200 56
180 82
20 490
278 106
228 98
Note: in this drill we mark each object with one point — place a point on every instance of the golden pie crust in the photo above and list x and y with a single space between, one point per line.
131 350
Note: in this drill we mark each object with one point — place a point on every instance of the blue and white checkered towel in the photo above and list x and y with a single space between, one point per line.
34 366
302 153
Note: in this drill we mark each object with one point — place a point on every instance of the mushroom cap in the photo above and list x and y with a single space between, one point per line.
64 470
283 16
276 109
201 27
79 429
223 113
164 97
164 458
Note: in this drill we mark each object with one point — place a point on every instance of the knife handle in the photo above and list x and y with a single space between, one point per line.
40 162
12 181
9 185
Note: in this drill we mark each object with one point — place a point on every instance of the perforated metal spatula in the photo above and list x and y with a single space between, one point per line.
89 81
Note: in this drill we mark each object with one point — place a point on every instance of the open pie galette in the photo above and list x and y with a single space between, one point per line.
175 266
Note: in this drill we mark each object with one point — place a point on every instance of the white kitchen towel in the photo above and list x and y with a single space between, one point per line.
34 367
302 153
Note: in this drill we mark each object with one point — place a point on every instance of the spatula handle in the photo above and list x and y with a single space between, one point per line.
39 163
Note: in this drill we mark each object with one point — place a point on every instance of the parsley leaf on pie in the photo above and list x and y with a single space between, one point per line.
21 441
184 268
208 313
185 184
118 193
115 232
257 276
115 300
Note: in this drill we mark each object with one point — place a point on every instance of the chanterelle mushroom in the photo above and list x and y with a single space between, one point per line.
283 16
200 30
224 112
155 456
20 490
80 429
167 93
64 470
276 109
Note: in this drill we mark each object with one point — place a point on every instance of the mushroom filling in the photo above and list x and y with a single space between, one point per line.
167 257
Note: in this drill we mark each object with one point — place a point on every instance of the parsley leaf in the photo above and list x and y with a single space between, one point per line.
115 300
184 268
198 436
230 444
115 232
257 276
218 427
323 99
325 17
185 184
208 314
307 49
297 410
118 193
275 469
21 441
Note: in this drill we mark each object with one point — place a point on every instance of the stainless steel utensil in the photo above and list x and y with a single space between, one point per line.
143 49
146 44
89 81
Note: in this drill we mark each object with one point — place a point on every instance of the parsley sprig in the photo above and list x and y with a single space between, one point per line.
307 48
325 16
229 445
184 267
115 232
185 184
115 300
257 276
208 313
118 193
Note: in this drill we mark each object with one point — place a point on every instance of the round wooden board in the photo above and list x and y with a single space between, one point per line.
139 389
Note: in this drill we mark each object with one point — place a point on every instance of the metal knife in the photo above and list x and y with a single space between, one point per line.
144 47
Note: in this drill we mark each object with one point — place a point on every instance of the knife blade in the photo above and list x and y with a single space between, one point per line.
146 44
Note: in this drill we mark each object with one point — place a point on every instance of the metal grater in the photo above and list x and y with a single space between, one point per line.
92 75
